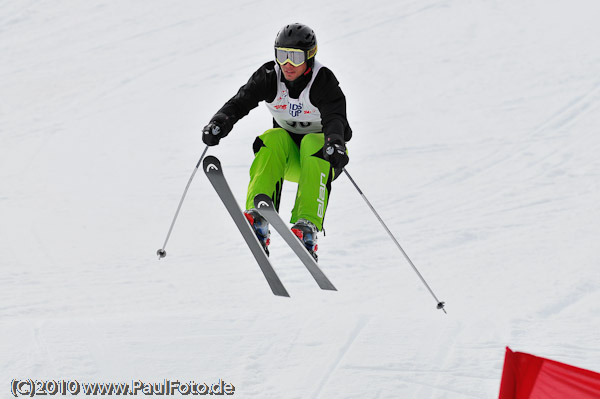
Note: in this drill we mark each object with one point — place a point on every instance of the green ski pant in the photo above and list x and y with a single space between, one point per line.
278 158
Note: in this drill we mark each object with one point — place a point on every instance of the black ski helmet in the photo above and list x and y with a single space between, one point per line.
298 36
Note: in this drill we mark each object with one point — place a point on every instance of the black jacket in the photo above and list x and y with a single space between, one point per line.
325 94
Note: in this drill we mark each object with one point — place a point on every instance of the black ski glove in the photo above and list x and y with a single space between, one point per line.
334 151
217 128
212 134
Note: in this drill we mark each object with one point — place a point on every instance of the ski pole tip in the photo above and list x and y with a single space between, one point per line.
161 253
441 305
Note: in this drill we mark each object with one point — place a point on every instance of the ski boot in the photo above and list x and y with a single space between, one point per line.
306 231
261 228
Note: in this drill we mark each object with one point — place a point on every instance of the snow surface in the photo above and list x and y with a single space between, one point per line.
476 138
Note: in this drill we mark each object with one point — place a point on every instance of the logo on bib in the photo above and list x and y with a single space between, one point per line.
295 109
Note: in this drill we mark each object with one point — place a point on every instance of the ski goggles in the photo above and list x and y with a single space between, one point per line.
294 56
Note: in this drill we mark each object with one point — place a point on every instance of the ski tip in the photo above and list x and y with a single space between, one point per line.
262 201
211 163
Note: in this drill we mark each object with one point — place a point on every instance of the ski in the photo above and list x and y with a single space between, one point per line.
264 204
214 172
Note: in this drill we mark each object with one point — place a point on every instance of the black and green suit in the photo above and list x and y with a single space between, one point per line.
305 112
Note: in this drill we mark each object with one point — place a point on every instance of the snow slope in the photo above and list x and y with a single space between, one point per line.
476 139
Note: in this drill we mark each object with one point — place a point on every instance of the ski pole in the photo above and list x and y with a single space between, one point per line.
440 304
161 252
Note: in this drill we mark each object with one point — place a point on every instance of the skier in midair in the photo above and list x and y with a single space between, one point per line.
307 143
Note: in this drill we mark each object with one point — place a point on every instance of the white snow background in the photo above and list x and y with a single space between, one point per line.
476 130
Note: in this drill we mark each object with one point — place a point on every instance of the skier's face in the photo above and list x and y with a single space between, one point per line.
291 72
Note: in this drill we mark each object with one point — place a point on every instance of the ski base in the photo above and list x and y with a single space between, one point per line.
264 204
214 172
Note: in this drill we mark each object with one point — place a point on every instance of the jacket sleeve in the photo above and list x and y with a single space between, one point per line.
328 97
261 86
